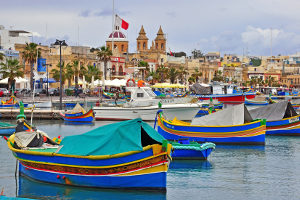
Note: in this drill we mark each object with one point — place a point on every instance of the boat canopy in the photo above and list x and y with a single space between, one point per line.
234 115
131 135
272 112
77 109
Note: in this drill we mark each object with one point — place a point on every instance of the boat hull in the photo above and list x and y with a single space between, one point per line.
284 127
155 181
189 154
228 98
145 169
6 131
145 113
79 117
247 134
12 105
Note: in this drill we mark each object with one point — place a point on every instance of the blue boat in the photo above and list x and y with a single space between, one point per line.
7 129
128 154
186 150
78 114
231 126
282 119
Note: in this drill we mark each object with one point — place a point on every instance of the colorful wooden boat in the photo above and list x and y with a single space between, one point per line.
128 154
228 98
251 102
78 114
10 103
246 133
186 150
7 129
282 119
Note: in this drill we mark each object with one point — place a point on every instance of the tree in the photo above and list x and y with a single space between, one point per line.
11 70
173 74
163 73
92 71
2 56
191 80
76 69
196 74
30 55
104 55
183 72
56 72
143 66
197 54
218 76
256 61
154 75
69 74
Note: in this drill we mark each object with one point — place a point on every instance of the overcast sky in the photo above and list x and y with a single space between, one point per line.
231 26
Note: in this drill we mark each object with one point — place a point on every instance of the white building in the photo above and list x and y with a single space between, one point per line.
8 38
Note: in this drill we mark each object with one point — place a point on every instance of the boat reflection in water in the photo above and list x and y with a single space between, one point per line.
190 165
29 188
79 123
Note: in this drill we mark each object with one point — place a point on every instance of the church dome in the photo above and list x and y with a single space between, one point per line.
117 35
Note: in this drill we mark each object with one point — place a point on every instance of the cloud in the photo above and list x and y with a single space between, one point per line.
85 13
259 40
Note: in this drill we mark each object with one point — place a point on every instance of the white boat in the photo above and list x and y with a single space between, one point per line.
145 104
47 104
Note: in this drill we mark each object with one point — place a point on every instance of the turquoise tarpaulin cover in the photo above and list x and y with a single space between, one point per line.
109 139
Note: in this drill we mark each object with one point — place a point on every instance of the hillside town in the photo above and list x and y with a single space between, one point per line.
150 61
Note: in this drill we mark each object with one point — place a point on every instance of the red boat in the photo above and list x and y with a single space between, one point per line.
228 98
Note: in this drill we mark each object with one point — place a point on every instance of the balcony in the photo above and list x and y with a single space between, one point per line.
118 73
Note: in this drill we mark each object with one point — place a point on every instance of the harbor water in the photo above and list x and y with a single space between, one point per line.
231 172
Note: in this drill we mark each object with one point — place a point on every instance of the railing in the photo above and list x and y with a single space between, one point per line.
118 73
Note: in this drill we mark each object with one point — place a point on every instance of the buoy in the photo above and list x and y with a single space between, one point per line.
64 177
57 176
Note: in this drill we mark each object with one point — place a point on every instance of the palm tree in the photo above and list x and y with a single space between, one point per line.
69 74
196 74
143 66
11 70
1 56
163 73
30 55
104 55
154 75
191 80
76 70
92 71
183 72
56 72
173 74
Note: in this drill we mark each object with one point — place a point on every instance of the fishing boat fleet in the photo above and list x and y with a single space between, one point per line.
131 154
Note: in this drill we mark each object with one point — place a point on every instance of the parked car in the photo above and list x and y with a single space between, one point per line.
53 91
25 91
39 91
4 91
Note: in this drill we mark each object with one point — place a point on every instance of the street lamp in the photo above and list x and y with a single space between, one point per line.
60 43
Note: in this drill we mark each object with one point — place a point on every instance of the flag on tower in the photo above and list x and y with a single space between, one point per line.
120 22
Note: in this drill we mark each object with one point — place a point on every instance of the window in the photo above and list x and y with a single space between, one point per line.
140 94
122 47
138 46
113 69
144 45
156 46
121 69
162 46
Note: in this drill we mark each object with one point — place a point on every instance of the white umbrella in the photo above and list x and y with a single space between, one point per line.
92 83
18 80
83 82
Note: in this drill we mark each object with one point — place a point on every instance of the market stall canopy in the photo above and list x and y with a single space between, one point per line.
114 83
18 80
168 85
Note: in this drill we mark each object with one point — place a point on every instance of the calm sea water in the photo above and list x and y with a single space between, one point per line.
270 172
